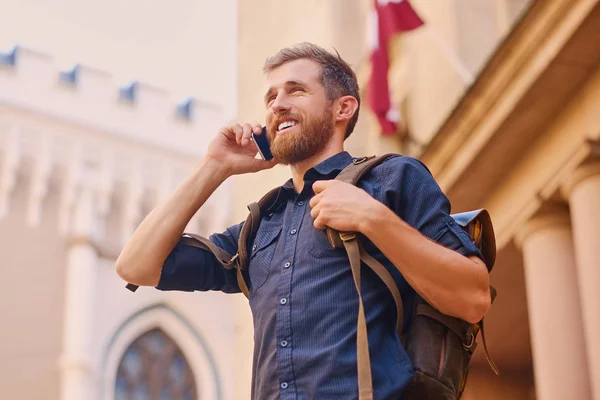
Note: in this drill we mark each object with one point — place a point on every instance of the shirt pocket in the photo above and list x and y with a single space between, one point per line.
319 246
261 255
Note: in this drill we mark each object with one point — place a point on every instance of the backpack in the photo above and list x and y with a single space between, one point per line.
439 346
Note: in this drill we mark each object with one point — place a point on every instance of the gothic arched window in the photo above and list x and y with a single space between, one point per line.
154 368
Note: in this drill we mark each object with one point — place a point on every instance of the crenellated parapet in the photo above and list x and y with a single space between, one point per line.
80 136
91 98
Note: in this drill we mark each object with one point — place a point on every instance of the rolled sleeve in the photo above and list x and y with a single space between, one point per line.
189 268
412 192
453 237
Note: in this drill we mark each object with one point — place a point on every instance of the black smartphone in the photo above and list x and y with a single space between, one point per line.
262 143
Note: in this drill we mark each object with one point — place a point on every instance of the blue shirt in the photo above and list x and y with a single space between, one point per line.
302 294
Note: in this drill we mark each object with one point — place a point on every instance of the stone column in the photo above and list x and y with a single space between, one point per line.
559 357
584 200
82 259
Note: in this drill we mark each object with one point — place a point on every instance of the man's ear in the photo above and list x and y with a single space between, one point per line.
345 108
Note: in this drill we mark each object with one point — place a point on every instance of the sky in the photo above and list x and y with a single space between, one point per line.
187 47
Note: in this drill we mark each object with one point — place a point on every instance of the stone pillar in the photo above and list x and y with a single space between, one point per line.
584 200
82 259
559 357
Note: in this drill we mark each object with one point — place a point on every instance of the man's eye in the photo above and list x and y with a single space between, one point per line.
297 89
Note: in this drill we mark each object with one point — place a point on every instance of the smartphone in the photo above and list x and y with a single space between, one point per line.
262 143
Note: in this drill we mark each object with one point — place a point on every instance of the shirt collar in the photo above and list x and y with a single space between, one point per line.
326 169
331 166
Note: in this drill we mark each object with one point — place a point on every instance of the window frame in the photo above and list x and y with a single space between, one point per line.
180 331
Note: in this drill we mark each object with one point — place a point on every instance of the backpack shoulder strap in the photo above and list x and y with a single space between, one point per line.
191 239
252 223
352 174
240 259
478 226
249 231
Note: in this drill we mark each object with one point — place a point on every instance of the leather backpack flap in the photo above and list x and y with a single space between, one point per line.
478 225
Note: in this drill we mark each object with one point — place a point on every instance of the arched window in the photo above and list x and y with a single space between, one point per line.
153 368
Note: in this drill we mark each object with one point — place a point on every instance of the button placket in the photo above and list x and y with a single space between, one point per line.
284 328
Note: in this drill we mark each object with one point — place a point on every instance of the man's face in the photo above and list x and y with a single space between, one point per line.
299 116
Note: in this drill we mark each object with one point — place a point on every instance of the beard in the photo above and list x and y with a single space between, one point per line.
292 148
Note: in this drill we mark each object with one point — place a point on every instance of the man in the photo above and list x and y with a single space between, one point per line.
302 294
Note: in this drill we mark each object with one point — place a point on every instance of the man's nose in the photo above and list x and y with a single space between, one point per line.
280 105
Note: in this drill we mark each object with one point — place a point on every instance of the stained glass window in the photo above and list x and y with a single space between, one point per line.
154 368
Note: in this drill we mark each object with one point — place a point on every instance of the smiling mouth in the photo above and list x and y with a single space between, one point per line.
286 125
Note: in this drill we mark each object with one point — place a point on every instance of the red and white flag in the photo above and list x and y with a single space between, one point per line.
389 17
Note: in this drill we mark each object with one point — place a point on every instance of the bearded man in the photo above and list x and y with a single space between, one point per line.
302 294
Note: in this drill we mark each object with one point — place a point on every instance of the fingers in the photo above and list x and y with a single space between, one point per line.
248 129
238 131
319 224
319 186
314 200
315 212
319 220
243 132
246 134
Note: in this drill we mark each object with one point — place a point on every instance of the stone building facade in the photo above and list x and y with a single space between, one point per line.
500 100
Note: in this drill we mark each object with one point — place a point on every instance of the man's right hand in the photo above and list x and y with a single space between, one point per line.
234 149
231 152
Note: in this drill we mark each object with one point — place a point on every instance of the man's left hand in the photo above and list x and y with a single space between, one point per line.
340 206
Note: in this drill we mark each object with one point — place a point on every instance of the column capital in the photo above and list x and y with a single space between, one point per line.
550 215
589 168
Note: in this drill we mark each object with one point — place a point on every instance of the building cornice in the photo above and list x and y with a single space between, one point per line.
535 70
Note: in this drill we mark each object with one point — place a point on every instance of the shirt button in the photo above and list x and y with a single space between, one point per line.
254 247
283 301
284 385
293 231
284 343
300 203
287 265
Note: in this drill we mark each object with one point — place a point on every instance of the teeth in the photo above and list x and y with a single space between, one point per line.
286 124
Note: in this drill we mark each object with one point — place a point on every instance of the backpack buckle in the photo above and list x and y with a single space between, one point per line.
235 257
468 346
361 160
347 236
